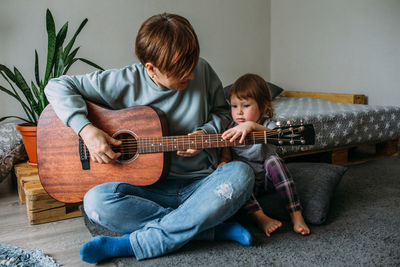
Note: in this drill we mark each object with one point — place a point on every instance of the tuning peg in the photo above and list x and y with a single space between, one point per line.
301 122
291 141
289 122
279 123
280 142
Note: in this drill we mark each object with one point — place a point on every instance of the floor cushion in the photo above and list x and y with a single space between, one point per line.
315 184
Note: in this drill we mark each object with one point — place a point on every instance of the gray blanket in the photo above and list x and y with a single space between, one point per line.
338 124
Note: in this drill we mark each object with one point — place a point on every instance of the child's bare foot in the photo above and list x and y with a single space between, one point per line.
270 225
267 224
299 225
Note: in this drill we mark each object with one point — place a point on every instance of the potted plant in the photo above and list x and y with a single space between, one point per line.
33 100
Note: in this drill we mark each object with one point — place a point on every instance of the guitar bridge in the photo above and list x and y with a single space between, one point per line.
84 155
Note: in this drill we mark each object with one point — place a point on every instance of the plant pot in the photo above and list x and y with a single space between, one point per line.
28 132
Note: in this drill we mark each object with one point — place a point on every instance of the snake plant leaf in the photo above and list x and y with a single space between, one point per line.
72 41
43 100
71 56
7 117
35 106
37 69
21 83
90 63
8 81
59 64
8 72
60 38
28 111
51 44
5 90
35 90
69 65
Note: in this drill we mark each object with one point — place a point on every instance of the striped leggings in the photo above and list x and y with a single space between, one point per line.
277 178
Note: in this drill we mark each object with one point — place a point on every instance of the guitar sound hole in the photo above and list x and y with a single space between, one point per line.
128 148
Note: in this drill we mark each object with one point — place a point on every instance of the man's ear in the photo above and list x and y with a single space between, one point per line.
150 69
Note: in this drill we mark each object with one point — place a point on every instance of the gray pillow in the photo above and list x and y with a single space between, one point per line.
315 184
275 90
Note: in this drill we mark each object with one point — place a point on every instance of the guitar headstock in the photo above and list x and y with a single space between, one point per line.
289 134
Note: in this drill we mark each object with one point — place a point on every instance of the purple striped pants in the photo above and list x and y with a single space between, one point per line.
279 179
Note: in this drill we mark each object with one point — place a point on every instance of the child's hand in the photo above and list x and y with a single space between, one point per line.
240 130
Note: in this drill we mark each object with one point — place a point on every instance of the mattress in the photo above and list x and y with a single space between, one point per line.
337 124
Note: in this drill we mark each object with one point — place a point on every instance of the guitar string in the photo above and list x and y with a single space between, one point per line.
155 149
188 140
149 145
215 137
184 140
182 146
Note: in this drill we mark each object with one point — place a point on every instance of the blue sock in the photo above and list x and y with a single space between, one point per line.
233 231
104 247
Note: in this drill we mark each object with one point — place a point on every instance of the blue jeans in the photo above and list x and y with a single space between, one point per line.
163 217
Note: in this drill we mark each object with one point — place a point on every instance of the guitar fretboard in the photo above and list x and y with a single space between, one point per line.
200 141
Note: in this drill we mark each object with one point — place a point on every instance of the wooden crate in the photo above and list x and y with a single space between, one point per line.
40 206
26 171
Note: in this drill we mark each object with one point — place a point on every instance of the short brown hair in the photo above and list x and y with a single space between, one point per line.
168 41
254 86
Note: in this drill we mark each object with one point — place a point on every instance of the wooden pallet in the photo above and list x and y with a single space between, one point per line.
349 155
340 98
27 172
40 206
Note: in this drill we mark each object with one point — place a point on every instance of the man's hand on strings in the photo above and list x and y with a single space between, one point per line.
99 144
190 152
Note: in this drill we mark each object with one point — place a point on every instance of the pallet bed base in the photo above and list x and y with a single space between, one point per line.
349 155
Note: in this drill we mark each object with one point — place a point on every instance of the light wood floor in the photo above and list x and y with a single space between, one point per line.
60 240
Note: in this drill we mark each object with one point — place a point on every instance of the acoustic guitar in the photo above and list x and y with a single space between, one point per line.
67 172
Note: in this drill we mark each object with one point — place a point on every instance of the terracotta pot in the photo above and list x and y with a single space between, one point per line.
28 132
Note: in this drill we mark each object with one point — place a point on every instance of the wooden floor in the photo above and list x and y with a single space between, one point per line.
60 240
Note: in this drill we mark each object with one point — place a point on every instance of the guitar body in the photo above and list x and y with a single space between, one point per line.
60 169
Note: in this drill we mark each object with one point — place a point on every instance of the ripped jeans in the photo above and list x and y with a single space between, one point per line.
163 217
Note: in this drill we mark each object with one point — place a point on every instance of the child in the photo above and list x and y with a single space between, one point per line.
251 109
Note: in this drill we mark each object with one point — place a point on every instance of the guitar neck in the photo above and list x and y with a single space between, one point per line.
293 135
200 141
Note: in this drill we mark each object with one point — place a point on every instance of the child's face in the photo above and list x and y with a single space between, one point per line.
244 110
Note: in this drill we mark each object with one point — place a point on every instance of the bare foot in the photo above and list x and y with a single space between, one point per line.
267 224
299 225
270 225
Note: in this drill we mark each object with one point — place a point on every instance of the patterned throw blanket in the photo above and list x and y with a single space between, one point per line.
338 124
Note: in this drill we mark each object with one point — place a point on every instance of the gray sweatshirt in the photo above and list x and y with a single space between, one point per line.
200 106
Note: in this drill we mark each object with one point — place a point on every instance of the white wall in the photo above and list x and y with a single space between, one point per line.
343 46
233 34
